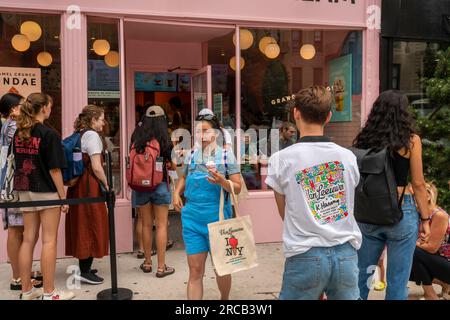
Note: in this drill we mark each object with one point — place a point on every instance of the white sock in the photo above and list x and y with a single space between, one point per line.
49 294
27 293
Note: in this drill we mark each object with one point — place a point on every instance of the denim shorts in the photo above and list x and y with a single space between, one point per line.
160 196
333 270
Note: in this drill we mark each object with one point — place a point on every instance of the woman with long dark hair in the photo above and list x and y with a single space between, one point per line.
87 232
154 204
390 125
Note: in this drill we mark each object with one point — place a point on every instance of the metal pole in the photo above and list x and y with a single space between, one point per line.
114 293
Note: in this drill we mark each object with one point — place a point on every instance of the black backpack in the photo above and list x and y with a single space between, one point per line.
376 197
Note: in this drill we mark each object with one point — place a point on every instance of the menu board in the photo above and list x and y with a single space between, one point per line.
101 77
184 82
155 81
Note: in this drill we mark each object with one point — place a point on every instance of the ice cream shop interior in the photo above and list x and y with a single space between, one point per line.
243 60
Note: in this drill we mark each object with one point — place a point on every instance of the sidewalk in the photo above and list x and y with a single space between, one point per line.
260 283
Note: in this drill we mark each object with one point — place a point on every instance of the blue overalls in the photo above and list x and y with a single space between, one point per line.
202 205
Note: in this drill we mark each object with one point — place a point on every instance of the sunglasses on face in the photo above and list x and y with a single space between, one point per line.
207 117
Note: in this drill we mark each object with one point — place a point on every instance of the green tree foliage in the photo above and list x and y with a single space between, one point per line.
434 129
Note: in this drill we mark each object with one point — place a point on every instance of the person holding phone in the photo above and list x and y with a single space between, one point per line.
205 173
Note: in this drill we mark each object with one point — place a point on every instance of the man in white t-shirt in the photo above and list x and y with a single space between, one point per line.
314 182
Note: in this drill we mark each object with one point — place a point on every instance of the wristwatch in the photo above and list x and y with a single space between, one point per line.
425 219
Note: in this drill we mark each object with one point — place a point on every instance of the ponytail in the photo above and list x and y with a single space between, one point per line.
32 105
84 119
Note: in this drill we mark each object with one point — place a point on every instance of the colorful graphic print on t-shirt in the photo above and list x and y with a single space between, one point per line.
26 156
324 189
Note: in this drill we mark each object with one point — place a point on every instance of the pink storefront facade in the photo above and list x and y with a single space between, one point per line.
155 36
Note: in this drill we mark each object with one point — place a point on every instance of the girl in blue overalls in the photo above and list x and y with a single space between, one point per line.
205 173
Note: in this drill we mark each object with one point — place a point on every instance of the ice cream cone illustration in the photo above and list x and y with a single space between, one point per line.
339 90
233 243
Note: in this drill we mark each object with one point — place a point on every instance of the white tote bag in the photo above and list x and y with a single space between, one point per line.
232 242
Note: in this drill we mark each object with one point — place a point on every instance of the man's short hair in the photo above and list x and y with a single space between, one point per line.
286 125
314 104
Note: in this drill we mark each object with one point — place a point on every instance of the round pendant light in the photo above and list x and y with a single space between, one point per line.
245 39
101 47
112 59
307 51
233 63
20 42
272 50
264 42
44 58
31 29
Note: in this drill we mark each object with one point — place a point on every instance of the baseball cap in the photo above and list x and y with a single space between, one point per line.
205 112
155 111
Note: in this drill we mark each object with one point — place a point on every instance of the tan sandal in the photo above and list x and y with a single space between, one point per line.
163 272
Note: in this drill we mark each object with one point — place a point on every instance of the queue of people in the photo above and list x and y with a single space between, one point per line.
328 251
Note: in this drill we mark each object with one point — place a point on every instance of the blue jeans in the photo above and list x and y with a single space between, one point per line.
333 270
400 240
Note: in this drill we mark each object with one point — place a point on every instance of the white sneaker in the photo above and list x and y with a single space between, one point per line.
59 295
34 293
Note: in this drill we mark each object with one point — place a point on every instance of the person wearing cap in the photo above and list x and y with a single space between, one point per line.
154 204
205 174
228 140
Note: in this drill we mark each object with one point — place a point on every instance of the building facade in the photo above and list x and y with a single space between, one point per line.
244 60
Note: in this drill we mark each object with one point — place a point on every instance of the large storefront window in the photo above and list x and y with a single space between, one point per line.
30 58
275 65
413 61
220 50
104 85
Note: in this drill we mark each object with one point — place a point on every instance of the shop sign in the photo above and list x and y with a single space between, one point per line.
104 94
23 81
282 99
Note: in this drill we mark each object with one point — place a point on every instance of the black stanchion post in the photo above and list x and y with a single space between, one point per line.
114 293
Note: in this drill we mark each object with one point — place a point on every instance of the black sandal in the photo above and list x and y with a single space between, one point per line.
37 283
37 275
16 284
146 267
166 271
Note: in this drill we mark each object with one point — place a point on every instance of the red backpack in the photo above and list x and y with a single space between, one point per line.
142 174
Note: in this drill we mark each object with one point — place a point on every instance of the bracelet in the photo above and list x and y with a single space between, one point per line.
425 219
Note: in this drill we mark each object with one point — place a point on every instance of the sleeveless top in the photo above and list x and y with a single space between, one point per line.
401 169
444 250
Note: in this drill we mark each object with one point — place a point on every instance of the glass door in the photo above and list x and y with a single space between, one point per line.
201 91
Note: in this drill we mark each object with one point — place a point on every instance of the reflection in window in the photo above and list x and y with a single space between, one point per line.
30 46
104 85
277 64
411 62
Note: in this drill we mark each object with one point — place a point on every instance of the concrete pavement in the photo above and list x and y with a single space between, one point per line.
260 283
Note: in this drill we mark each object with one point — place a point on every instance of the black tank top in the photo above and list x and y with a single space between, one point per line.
401 169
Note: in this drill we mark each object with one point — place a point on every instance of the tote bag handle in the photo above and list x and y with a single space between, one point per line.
234 199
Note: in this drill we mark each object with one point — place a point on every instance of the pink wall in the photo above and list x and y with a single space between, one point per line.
162 55
288 11
262 209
